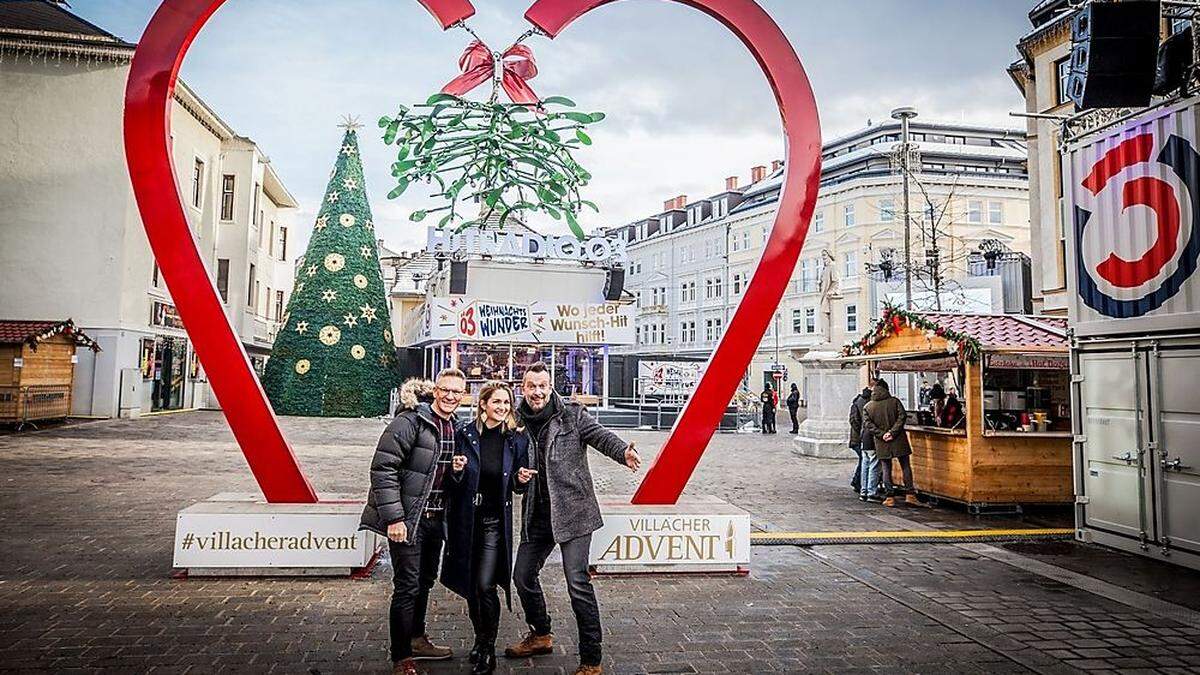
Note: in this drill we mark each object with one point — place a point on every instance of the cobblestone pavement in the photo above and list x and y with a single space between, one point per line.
87 514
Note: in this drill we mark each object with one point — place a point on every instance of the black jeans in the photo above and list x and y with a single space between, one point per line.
414 569
905 469
531 557
795 422
768 420
483 605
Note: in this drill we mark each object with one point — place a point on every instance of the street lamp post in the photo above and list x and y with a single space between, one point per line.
904 114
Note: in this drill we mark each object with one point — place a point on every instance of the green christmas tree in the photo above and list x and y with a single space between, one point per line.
334 355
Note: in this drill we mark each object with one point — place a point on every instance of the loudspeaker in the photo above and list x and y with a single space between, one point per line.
614 284
1114 49
458 277
1174 62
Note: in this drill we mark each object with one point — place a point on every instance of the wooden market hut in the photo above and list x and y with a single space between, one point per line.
1013 444
37 369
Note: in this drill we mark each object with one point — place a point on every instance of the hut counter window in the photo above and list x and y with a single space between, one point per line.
1026 393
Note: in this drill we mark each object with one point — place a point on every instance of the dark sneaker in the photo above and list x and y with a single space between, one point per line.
424 650
532 645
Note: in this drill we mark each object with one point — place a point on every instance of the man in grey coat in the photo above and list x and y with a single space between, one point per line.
561 509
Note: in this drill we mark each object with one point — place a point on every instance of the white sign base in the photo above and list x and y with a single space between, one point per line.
698 534
240 534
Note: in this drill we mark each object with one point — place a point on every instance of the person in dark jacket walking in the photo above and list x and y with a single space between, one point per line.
793 404
561 509
767 400
883 418
406 504
492 463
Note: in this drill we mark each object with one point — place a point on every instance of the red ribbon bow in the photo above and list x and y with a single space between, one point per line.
478 65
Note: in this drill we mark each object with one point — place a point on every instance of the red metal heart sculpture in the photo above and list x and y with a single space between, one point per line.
148 95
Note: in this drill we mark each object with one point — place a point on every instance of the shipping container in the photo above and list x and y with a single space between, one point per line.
1132 197
1132 194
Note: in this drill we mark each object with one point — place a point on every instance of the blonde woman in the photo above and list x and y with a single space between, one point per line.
491 462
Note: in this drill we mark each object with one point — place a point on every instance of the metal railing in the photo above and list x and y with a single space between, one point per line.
23 406
657 415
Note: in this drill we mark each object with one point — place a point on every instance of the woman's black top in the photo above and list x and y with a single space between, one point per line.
491 473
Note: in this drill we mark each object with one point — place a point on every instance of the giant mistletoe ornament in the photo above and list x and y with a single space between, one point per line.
508 158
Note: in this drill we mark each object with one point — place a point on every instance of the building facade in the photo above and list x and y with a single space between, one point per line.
690 264
73 244
1041 76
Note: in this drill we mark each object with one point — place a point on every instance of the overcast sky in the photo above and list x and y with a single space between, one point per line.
687 105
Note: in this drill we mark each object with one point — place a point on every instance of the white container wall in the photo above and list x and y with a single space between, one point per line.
1132 195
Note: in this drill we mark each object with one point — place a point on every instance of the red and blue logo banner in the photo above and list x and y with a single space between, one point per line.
1135 223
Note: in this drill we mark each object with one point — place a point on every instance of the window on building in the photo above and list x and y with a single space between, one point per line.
850 264
282 243
766 234
818 222
267 304
995 213
956 140
797 321
197 182
848 214
851 318
1062 69
271 239
974 212
223 279
810 320
278 305
887 210
808 275
255 214
154 275
227 183
251 287
257 290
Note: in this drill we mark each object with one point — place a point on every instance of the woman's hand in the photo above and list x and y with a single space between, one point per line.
398 532
525 475
458 463
887 436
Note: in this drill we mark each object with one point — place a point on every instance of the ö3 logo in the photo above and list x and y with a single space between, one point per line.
1123 178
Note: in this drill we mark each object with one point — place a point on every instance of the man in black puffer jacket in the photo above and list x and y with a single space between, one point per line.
406 505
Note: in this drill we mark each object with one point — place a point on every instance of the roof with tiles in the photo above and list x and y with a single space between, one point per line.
33 332
1006 331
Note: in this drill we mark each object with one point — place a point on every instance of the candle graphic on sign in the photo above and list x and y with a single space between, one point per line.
729 539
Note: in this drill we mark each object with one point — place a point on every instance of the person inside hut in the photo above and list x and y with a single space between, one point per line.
937 402
952 414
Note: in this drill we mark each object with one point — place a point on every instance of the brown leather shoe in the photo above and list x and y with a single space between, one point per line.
889 502
588 670
532 645
912 500
424 650
405 667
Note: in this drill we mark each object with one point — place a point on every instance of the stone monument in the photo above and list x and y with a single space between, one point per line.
831 388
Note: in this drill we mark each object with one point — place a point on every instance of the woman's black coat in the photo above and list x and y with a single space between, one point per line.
460 511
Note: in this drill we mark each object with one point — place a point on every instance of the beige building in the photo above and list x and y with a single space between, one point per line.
690 265
72 243
1041 75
